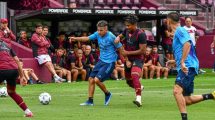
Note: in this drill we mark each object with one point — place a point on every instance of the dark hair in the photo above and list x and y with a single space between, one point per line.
102 23
188 17
45 27
174 16
154 46
132 19
38 25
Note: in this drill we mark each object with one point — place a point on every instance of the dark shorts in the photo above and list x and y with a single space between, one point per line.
135 63
102 70
186 81
167 49
10 76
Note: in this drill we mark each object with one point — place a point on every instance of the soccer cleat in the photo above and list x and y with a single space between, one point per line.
107 98
213 93
30 114
139 104
87 103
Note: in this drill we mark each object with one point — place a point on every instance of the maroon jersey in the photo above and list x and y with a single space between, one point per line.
6 57
132 42
147 58
155 59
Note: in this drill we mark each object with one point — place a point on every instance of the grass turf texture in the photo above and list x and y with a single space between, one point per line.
158 102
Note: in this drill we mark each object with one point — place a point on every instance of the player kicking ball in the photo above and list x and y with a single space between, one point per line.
10 69
134 50
106 63
187 66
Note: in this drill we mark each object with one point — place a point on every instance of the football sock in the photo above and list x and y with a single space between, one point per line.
184 116
207 96
136 84
90 99
19 101
107 93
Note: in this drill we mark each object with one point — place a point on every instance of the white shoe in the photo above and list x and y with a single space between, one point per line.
138 101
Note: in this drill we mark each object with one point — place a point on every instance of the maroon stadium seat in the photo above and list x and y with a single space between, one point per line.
125 7
119 2
210 2
101 2
135 8
143 8
106 7
97 7
83 2
200 32
149 36
128 2
115 7
136 2
110 2
152 8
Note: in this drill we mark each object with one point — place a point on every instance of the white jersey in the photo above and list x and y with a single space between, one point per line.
192 31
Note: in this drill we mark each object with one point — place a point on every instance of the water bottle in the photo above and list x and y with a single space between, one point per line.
212 51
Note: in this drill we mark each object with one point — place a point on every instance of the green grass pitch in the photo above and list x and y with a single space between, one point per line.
158 102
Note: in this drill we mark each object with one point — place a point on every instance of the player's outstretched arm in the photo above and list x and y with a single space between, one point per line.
80 39
186 50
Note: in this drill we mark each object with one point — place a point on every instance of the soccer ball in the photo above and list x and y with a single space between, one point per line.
45 98
3 92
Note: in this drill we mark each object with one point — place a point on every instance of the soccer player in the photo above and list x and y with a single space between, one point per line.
106 63
187 66
10 69
135 47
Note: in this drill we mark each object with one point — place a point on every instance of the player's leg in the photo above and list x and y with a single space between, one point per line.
83 74
122 73
104 73
67 73
91 86
158 70
74 73
10 76
135 74
152 71
166 72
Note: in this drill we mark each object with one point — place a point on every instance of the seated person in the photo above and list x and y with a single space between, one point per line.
59 63
28 74
147 62
155 67
119 70
23 40
77 63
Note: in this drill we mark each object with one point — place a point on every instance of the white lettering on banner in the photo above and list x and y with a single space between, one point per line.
58 11
126 11
104 11
188 13
147 12
165 12
81 11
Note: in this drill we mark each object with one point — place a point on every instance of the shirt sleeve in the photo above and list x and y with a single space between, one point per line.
183 36
142 38
13 54
93 36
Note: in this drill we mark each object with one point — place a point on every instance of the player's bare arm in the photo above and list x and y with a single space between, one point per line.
186 50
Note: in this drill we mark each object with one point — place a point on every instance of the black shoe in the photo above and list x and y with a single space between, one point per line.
39 82
137 103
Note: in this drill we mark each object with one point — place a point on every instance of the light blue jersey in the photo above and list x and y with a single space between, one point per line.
181 36
107 46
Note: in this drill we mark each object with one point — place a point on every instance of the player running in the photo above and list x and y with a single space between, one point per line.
187 66
134 49
106 63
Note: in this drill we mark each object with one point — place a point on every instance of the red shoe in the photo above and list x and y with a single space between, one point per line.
30 114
